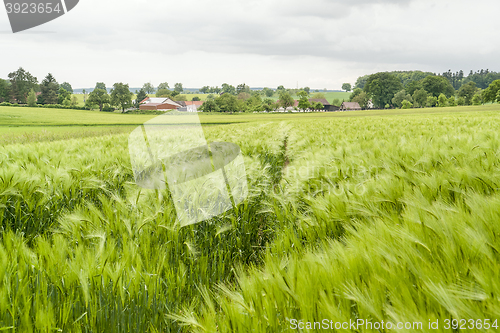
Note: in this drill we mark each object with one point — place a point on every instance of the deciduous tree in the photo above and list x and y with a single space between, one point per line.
148 88
98 97
21 84
32 98
347 87
67 87
382 87
121 96
178 88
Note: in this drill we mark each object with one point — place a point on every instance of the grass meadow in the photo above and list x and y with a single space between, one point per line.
376 215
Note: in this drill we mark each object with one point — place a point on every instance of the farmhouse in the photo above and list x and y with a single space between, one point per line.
158 104
190 106
326 105
350 106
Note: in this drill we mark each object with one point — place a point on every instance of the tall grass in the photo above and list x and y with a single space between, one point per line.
381 218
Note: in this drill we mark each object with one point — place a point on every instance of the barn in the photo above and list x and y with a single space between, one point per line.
350 106
158 104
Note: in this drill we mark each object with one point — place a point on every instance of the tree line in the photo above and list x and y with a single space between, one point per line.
24 88
425 89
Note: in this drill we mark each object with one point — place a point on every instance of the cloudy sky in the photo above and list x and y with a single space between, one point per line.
315 43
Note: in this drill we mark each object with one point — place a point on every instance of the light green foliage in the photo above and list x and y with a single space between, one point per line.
406 104
432 101
442 100
336 102
398 98
452 101
490 93
477 99
318 95
303 100
390 218
63 95
32 98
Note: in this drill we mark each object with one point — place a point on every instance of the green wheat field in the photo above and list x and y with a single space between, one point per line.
381 215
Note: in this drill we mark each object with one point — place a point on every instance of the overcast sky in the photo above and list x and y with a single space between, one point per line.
315 43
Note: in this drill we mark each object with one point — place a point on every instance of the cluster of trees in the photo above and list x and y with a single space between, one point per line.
120 96
423 89
242 99
24 88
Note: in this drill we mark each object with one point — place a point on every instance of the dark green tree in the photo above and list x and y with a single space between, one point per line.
196 98
437 85
67 87
141 95
420 98
21 84
347 87
242 88
382 87
467 91
205 89
121 96
49 88
100 85
228 89
5 91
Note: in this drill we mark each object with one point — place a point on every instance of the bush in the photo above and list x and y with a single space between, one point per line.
108 109
6 104
406 104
